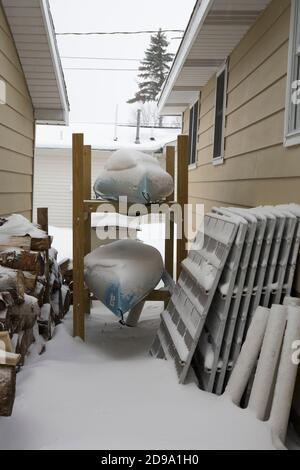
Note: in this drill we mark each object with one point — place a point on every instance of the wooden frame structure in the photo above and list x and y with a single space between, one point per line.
84 206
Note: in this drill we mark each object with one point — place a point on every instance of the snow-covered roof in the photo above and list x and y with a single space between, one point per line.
214 30
99 137
32 28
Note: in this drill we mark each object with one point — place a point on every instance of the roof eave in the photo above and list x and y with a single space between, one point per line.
64 112
197 19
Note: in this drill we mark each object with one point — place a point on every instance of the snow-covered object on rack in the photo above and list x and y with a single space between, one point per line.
122 274
18 226
136 175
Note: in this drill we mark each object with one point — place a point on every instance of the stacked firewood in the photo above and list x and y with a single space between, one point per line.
33 299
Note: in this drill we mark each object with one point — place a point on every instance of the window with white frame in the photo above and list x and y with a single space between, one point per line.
292 124
220 111
193 132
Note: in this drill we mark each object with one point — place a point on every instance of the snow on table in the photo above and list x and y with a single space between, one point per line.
110 394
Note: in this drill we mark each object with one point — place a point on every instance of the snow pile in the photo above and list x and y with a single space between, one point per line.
136 175
18 226
121 274
132 401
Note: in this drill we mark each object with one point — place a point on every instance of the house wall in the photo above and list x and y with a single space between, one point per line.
257 168
17 130
53 182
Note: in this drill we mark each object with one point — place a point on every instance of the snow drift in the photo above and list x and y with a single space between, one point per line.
136 175
122 274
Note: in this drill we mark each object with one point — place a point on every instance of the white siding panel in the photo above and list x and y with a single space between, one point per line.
53 182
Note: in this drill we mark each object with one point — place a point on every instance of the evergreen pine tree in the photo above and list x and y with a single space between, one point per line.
153 69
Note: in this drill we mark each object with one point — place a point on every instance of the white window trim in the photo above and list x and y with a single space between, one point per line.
193 166
291 138
220 160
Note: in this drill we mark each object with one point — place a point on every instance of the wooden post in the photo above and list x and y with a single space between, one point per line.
43 222
87 179
42 218
78 237
169 246
170 166
182 194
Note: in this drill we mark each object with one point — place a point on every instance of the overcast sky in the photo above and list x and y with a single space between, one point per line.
94 94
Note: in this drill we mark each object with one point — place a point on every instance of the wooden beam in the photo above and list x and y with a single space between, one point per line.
158 296
169 244
182 194
87 191
78 238
93 205
170 166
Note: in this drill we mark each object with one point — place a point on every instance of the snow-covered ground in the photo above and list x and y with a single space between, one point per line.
110 394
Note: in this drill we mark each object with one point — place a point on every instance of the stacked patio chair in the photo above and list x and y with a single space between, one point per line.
241 259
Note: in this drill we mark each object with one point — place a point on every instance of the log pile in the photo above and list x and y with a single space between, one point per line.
8 363
33 299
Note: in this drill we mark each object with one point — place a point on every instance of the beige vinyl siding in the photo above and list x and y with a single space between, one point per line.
257 168
16 131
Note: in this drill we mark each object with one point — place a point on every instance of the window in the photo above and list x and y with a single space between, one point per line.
218 153
193 131
292 121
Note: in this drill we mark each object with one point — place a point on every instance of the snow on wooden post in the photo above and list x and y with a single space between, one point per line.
78 237
182 194
87 192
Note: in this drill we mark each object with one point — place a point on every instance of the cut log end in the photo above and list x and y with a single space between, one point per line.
7 390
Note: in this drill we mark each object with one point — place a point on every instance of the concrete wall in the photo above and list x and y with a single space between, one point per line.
17 131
